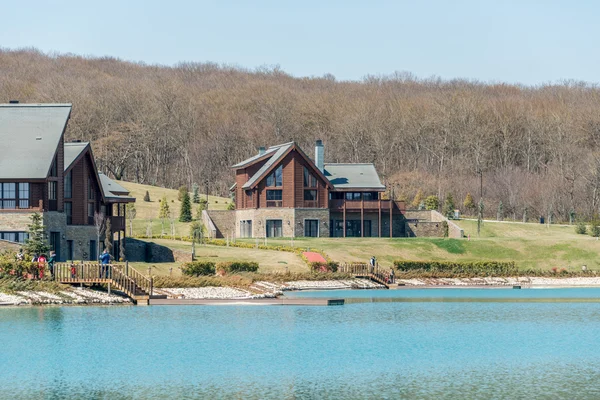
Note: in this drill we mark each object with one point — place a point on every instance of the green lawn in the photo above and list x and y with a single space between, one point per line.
268 260
147 212
529 245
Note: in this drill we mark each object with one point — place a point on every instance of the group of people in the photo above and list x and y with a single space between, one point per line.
42 261
389 276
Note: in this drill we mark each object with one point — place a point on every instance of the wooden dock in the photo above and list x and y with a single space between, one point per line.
366 271
122 277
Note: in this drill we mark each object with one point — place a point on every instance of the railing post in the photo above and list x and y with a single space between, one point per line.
126 268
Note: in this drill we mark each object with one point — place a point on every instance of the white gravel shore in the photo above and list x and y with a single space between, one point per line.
73 296
522 281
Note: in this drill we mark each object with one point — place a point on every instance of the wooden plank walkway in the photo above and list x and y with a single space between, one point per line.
365 271
124 278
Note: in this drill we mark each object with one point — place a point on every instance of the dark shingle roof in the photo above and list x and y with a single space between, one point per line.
31 134
353 176
112 190
278 153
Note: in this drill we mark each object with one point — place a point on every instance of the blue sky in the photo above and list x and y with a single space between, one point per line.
529 42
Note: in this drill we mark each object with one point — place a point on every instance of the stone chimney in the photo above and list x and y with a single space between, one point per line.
319 154
261 150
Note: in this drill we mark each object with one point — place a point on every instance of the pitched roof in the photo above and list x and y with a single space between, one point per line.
112 190
32 132
353 176
278 154
255 158
73 151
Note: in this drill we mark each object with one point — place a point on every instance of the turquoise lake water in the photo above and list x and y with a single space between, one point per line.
426 344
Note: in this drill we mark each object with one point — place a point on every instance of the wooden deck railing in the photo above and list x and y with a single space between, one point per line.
375 273
125 278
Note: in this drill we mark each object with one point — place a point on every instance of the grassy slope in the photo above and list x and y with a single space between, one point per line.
149 210
269 260
530 245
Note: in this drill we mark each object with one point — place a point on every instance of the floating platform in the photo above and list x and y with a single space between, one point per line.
283 301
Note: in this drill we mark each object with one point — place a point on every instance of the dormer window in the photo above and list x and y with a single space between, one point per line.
275 178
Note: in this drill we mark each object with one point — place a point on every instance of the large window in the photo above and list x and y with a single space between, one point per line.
8 195
90 189
275 179
54 167
91 210
69 212
311 227
246 228
352 196
52 196
274 228
24 195
310 198
69 185
309 179
20 237
274 198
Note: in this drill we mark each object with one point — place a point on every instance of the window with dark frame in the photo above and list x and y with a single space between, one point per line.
54 167
309 179
8 195
23 195
274 228
69 212
91 210
275 178
90 189
274 198
310 198
69 185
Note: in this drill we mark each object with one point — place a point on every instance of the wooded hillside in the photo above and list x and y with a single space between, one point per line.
538 148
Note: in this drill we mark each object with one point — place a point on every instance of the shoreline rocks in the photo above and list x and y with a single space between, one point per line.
75 296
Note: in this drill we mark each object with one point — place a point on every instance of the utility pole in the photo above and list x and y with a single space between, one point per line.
480 205
206 184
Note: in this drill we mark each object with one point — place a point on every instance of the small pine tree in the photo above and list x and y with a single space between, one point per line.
108 240
122 250
581 228
449 206
36 244
196 231
469 203
164 211
421 205
147 196
231 206
525 216
500 212
182 190
186 208
432 203
480 216
196 192
572 216
417 199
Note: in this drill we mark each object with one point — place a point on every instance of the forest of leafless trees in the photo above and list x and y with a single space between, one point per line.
538 147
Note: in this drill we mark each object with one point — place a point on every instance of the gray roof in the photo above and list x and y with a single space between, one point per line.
254 158
31 133
353 176
279 151
112 190
72 151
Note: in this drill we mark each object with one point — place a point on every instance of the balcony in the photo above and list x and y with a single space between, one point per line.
365 205
117 223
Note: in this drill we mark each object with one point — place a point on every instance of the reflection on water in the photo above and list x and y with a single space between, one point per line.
394 349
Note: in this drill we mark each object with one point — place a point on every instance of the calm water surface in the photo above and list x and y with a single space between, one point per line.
430 346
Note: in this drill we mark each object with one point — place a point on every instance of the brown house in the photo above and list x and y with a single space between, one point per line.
41 173
282 192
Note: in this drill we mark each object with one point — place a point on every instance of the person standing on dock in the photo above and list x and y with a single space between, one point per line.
392 275
372 262
105 260
51 261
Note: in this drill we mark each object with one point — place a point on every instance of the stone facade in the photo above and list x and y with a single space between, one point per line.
302 214
224 222
454 231
293 220
14 220
425 229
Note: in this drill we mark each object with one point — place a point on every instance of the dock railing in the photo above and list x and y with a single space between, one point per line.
361 270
